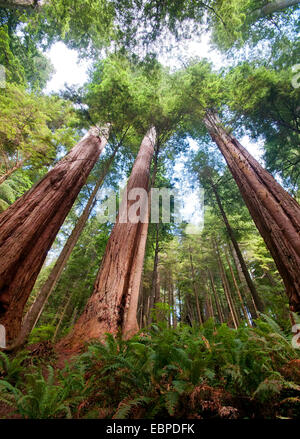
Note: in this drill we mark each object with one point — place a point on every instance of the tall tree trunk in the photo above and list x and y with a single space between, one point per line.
190 309
157 286
155 271
219 309
141 305
61 318
247 295
231 296
130 325
179 303
34 312
169 303
275 213
105 309
226 288
258 302
212 313
237 290
200 317
173 297
29 227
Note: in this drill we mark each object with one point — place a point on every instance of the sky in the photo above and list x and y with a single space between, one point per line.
71 70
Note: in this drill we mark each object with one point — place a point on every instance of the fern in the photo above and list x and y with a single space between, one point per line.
126 406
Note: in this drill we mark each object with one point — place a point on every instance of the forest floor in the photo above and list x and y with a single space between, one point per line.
212 372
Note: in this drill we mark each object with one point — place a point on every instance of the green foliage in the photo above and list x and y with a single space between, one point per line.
44 398
266 103
11 368
32 128
165 366
42 333
212 372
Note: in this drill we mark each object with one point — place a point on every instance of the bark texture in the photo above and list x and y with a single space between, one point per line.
29 227
106 308
37 307
275 213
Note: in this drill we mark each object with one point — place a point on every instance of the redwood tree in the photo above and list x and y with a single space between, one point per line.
29 227
275 213
113 304
36 309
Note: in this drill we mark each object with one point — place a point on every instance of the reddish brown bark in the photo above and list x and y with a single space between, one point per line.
130 325
275 213
34 312
105 310
29 227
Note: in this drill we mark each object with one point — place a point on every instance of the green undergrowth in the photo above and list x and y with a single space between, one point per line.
208 372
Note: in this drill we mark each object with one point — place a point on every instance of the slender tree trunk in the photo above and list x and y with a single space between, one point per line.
258 302
157 286
248 296
211 307
34 312
61 318
29 227
226 288
238 290
219 310
145 300
275 213
190 309
169 303
179 303
155 271
141 305
174 307
231 296
200 317
172 302
105 310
